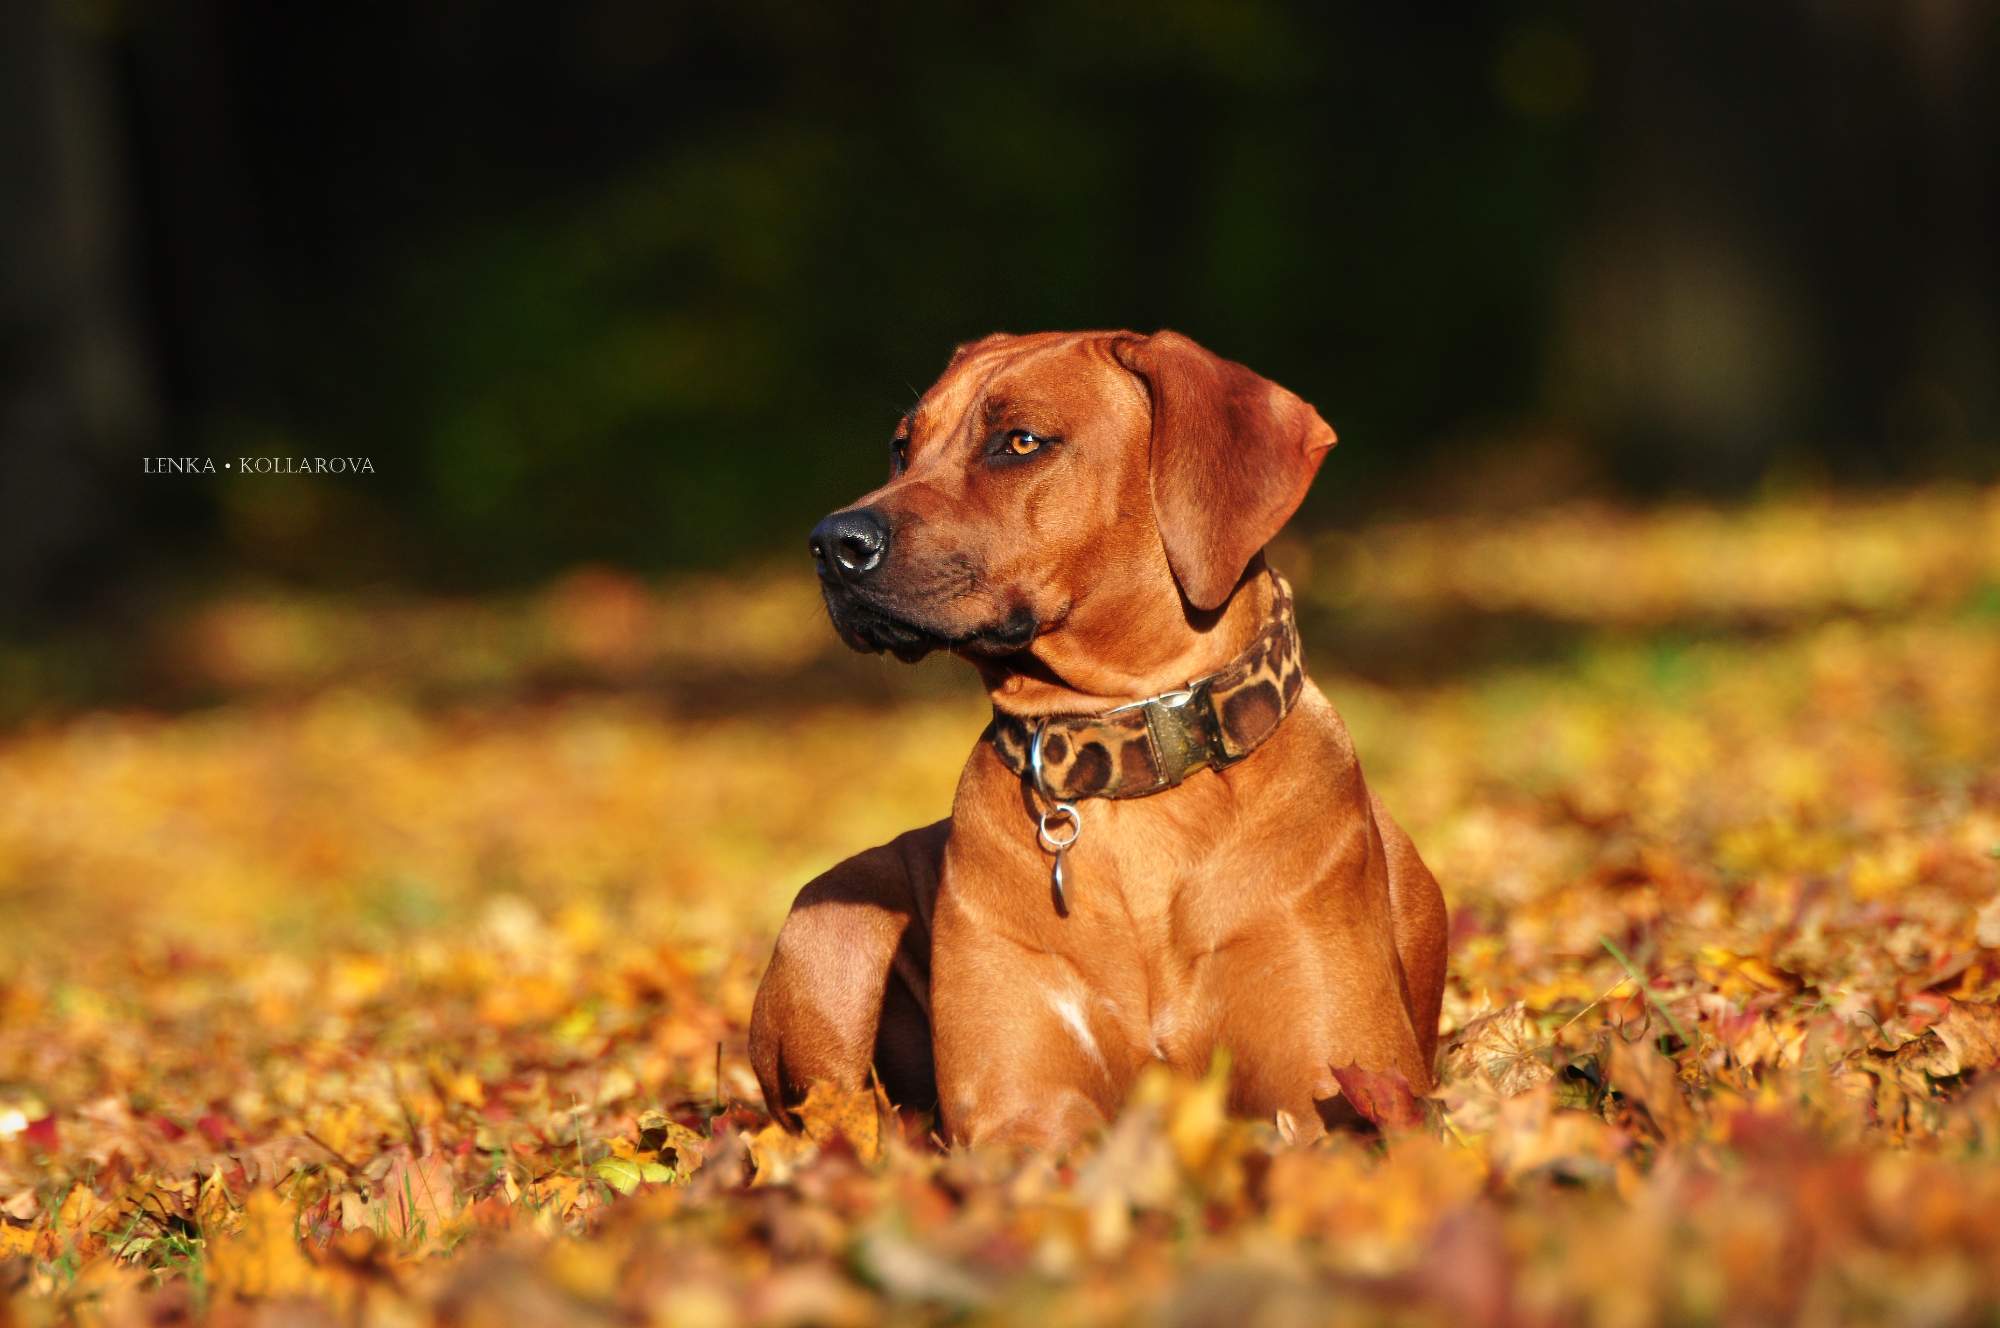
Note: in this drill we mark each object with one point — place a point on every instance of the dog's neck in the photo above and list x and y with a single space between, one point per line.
1215 710
1074 672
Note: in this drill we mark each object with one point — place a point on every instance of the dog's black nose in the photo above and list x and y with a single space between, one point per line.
850 544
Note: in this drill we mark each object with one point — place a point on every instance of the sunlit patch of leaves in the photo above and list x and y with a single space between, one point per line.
344 994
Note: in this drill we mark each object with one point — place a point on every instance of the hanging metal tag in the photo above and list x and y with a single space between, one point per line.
1060 816
1049 830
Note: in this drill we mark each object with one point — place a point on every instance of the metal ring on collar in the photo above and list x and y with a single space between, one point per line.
1059 812
1035 760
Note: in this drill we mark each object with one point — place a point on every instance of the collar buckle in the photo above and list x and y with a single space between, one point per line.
1097 755
1184 731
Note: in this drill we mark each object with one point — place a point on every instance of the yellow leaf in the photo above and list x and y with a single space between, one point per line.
671 1143
556 1194
461 1086
829 1113
344 1128
1196 1118
534 998
355 979
775 1153
212 1206
79 1206
262 1258
625 1174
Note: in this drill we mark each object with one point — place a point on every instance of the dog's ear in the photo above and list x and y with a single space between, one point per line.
1232 456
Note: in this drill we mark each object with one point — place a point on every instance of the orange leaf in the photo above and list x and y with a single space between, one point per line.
1971 1032
1382 1096
775 1152
1965 1037
262 1259
828 1113
1644 1076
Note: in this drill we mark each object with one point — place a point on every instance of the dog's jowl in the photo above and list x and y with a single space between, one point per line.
1162 846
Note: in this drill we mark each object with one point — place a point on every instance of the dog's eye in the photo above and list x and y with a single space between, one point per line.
1017 445
899 456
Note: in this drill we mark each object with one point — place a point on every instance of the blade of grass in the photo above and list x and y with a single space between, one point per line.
1673 1024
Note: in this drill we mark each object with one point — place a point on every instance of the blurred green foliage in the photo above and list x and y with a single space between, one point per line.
650 284
696 353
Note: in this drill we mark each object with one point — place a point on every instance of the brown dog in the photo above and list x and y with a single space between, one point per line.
1081 516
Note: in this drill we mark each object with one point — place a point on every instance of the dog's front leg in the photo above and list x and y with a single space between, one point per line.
847 989
1031 1051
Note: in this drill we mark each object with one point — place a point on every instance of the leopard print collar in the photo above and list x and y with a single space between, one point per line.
1154 744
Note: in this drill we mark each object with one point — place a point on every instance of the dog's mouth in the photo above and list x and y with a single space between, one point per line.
873 628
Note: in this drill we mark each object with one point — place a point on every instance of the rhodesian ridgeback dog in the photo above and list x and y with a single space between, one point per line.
1162 847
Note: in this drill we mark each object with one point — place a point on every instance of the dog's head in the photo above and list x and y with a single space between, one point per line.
1060 487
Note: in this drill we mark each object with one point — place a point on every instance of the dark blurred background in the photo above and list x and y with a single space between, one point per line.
649 283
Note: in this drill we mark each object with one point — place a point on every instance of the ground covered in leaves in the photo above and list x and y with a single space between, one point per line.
392 962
